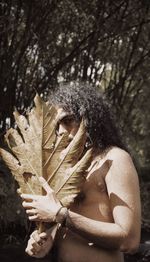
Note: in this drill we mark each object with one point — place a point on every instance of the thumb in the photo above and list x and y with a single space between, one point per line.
45 185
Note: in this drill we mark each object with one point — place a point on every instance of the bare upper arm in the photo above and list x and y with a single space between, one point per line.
123 190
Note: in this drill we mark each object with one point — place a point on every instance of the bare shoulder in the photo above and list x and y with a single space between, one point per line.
116 153
120 158
121 164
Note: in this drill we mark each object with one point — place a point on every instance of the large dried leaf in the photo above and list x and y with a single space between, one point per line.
37 151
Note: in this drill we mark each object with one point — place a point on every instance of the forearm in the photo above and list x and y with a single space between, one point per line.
107 235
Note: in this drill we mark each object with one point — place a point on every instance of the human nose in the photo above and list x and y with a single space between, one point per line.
61 130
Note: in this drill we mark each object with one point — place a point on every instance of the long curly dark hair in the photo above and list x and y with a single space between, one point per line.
87 102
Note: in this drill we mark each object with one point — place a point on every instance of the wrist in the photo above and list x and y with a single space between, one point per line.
61 216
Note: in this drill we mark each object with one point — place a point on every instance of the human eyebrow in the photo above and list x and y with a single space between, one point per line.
67 117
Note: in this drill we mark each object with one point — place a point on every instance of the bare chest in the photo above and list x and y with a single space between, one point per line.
95 180
95 202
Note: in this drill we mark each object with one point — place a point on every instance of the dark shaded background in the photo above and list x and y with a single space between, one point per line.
106 43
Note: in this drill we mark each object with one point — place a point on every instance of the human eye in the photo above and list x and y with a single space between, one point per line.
67 120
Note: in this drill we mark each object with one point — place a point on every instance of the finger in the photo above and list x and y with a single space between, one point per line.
29 197
39 254
45 185
34 218
50 233
36 246
29 252
36 237
43 235
29 248
35 232
27 204
31 211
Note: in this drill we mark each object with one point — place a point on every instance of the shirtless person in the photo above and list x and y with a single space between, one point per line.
106 221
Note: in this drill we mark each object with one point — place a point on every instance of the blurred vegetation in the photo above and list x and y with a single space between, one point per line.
106 43
13 222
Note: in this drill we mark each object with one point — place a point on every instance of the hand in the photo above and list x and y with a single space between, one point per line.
40 244
41 208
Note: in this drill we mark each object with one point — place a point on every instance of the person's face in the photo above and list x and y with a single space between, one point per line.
66 123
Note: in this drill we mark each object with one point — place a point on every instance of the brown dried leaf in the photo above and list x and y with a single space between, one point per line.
37 151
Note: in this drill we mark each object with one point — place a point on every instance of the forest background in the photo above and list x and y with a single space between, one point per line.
105 43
